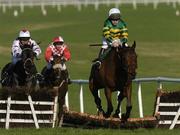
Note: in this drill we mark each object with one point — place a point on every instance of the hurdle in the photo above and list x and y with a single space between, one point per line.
167 109
22 112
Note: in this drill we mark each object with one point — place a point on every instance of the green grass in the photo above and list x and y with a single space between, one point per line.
73 131
156 32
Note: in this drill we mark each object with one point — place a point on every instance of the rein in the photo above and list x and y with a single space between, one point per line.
24 65
63 81
122 59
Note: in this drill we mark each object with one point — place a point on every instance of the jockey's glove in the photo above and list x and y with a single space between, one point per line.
63 59
51 59
125 45
18 55
116 43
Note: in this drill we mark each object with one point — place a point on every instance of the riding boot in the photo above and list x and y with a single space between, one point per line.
102 55
98 61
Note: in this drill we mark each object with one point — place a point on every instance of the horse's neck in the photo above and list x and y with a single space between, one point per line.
112 59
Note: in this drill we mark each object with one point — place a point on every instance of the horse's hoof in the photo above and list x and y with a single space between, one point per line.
101 113
107 115
124 117
115 115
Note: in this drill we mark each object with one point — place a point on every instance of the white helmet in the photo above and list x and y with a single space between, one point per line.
114 13
24 33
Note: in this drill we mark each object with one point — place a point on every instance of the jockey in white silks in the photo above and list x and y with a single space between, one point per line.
24 38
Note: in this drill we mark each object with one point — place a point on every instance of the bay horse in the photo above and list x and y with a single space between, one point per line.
57 78
24 71
116 73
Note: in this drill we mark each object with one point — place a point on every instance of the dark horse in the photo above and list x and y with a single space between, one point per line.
115 74
57 78
24 72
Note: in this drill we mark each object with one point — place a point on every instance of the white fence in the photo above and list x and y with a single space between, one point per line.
139 81
49 115
167 111
78 3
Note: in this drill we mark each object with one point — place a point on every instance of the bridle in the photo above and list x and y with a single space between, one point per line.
28 63
121 54
57 69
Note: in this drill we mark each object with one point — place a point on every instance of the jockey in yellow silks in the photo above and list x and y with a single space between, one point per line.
115 33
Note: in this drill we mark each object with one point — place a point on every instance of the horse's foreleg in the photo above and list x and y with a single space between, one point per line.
98 102
60 113
108 94
129 104
61 101
120 98
97 99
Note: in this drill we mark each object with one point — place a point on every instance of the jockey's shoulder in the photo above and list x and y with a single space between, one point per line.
107 22
122 22
16 42
51 44
32 41
65 45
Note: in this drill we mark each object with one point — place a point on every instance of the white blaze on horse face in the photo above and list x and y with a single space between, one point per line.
61 66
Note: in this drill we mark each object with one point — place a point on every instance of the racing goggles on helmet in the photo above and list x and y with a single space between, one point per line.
58 43
24 38
115 17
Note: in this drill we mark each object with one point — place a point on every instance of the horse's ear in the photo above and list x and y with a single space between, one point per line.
134 45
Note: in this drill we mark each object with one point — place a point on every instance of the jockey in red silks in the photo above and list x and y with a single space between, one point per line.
57 47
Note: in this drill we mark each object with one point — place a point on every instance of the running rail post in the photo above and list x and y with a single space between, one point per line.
160 85
140 100
67 101
81 99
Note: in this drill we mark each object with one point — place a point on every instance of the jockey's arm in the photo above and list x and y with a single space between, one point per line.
36 48
124 34
48 54
16 49
106 35
66 54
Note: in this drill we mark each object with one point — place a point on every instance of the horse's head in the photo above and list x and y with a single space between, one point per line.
58 65
28 60
129 60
